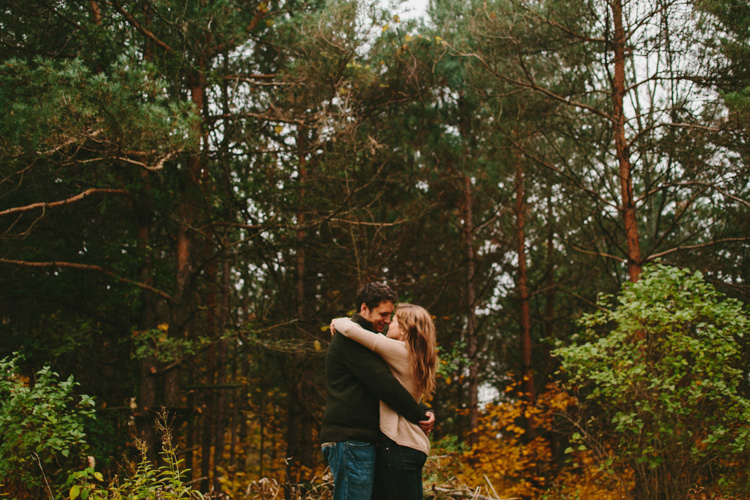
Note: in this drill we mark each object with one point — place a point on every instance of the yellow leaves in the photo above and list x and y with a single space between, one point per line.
408 38
317 345
515 465
163 327
515 429
385 28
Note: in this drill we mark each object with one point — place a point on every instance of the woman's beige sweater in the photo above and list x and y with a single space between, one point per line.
396 354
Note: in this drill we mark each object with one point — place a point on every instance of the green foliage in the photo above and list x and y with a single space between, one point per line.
663 386
54 103
155 342
85 484
145 482
451 362
167 481
41 424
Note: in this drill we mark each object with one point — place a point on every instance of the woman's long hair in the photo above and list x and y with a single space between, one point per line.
419 334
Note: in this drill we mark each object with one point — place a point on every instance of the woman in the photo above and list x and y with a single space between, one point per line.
409 350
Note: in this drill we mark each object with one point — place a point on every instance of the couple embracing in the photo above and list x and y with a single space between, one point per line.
374 430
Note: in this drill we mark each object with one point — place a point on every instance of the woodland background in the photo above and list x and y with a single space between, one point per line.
191 190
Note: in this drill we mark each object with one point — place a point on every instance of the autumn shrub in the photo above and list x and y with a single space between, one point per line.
43 441
42 424
508 461
142 480
661 381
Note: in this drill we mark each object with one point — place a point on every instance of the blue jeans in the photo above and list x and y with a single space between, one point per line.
353 466
399 471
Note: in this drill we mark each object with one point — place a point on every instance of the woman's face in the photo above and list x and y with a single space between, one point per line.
394 330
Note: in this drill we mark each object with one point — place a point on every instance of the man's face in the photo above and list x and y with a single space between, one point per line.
378 316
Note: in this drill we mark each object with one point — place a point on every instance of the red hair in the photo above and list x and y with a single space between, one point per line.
419 334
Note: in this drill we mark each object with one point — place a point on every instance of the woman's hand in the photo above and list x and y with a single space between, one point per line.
429 424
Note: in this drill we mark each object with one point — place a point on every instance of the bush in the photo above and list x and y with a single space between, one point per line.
166 482
41 427
663 387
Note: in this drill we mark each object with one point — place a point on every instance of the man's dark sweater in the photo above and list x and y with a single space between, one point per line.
356 379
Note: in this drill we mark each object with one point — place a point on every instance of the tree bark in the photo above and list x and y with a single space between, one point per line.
181 312
549 293
299 425
467 236
147 392
471 321
527 375
621 146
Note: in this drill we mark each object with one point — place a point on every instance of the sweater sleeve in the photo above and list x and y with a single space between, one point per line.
391 350
373 372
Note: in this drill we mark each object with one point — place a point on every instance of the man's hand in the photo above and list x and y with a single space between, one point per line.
429 424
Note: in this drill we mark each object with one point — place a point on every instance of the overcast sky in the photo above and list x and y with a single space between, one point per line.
414 8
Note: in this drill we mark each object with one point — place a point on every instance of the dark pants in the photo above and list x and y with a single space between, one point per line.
398 473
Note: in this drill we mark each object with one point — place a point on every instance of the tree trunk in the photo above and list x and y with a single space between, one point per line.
147 391
467 236
206 440
219 397
181 312
299 425
549 294
471 322
221 377
527 375
621 146
97 12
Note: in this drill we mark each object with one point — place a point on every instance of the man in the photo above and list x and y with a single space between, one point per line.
356 380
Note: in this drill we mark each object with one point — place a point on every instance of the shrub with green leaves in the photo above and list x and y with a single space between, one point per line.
41 426
662 384
145 481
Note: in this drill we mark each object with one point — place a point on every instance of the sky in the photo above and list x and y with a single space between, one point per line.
413 8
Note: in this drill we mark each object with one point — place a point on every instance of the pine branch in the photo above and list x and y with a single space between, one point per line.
695 247
598 254
45 205
532 85
85 267
133 22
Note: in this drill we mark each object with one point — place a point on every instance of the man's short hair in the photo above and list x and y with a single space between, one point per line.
373 293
